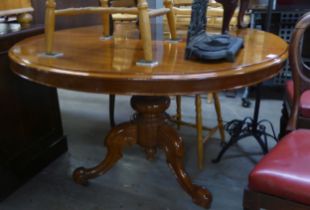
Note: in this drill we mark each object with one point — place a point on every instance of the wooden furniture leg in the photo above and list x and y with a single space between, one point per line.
199 130
106 21
118 138
174 149
49 25
145 31
210 98
171 19
220 125
199 124
150 130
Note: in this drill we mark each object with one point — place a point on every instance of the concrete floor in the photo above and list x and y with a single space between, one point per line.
136 183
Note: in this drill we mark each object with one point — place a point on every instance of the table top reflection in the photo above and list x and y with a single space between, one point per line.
90 64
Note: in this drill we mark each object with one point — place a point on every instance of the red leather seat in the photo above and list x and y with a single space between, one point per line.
304 99
285 171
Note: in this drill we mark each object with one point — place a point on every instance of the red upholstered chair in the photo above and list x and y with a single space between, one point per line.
299 87
281 180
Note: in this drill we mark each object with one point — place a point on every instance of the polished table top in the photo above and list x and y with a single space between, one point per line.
90 64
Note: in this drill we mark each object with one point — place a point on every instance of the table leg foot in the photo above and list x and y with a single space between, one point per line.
173 147
118 138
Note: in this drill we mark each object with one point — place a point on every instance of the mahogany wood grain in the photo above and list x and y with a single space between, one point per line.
109 66
150 130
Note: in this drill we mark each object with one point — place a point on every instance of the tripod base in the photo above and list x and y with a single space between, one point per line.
150 130
239 129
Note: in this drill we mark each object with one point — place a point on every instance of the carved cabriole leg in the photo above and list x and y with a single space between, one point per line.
153 131
171 19
244 5
49 25
118 138
199 130
173 146
150 114
145 30
106 20
218 110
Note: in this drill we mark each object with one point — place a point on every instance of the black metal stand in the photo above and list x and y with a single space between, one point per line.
239 129
246 103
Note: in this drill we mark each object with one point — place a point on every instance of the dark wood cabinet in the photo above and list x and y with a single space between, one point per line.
31 134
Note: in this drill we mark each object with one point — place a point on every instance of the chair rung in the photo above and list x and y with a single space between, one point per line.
158 12
210 134
92 10
193 125
182 11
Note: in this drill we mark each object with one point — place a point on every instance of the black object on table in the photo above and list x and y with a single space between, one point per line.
31 134
240 129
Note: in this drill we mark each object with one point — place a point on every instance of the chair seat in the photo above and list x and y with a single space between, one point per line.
285 171
304 100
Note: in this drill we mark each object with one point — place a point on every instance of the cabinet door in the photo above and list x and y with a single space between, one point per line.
31 133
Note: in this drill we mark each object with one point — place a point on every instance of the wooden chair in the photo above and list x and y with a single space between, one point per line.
182 12
141 10
178 119
297 91
281 180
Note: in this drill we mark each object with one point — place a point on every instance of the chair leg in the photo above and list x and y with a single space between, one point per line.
210 98
171 19
220 125
179 111
199 130
111 109
106 19
145 30
49 25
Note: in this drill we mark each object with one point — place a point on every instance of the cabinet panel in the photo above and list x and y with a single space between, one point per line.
31 133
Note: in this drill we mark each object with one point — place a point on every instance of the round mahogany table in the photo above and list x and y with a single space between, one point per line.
92 65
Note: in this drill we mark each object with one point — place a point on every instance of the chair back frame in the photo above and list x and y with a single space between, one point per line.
141 9
300 71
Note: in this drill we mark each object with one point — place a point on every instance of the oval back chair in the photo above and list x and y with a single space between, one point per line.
281 180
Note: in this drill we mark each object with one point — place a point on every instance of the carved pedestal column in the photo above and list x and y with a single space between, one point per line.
150 130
